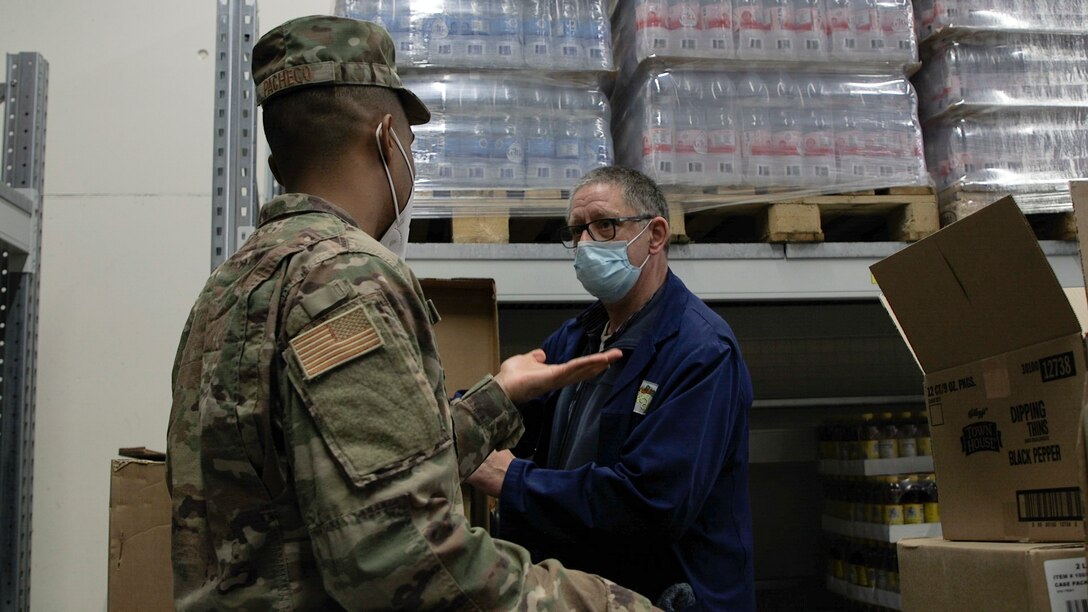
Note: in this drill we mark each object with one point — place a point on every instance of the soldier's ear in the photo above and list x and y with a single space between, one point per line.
385 136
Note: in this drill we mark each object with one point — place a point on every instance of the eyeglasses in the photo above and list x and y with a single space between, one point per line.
601 230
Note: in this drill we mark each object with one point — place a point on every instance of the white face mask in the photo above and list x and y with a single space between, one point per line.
396 237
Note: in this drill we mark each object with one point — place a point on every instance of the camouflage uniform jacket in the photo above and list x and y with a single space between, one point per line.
314 460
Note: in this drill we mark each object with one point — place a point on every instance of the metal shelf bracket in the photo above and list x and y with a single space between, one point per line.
21 180
234 191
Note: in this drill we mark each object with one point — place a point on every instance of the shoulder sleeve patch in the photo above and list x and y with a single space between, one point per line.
335 342
326 297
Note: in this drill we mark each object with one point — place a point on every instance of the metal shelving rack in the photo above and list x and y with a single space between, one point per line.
727 272
234 186
21 179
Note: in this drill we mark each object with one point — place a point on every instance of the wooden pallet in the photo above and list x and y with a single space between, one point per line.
493 216
955 204
702 215
894 213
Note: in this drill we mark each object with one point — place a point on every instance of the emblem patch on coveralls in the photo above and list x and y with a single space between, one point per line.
335 342
645 393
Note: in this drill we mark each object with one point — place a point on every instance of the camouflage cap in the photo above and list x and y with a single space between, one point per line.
321 50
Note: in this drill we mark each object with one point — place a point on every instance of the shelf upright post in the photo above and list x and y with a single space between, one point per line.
21 180
234 192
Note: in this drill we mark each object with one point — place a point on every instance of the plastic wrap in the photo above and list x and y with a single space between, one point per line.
1004 69
783 30
809 132
934 16
1031 153
552 35
508 132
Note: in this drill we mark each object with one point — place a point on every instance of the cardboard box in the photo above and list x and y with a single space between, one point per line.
468 334
140 575
936 574
1078 191
1004 364
468 342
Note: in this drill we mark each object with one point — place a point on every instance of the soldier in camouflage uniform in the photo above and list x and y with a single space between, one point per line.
314 460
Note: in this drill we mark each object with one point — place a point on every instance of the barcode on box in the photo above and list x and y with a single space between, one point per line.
1079 605
1049 505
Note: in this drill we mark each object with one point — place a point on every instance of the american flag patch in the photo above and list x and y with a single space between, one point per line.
335 342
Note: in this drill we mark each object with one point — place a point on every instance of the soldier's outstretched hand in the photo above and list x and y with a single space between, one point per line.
526 376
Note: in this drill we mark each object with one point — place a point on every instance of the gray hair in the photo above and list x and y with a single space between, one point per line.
639 191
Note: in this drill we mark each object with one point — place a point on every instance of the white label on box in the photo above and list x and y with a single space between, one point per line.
1067 580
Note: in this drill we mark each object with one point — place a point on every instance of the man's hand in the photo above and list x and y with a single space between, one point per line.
491 473
526 376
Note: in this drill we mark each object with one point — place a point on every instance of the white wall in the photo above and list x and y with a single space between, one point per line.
125 249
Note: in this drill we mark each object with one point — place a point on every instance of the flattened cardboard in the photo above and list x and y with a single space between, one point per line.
936 574
140 575
1004 365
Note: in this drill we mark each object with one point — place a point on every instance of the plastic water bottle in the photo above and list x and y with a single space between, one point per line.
506 48
441 35
597 147
896 21
717 19
841 30
780 35
358 9
399 24
809 30
508 141
866 19
540 153
786 168
722 158
568 147
569 54
651 27
756 145
849 155
537 33
685 28
597 36
659 139
476 31
753 25
690 130
817 133
471 146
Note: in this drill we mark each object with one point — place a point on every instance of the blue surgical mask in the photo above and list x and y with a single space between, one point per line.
605 270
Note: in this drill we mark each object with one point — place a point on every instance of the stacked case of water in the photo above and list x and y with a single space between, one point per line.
1004 94
553 35
803 130
936 16
1003 69
509 132
513 87
1032 153
856 31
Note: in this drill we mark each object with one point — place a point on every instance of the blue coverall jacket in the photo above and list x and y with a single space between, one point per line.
666 499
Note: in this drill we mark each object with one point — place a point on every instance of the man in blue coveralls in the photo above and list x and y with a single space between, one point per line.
640 474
